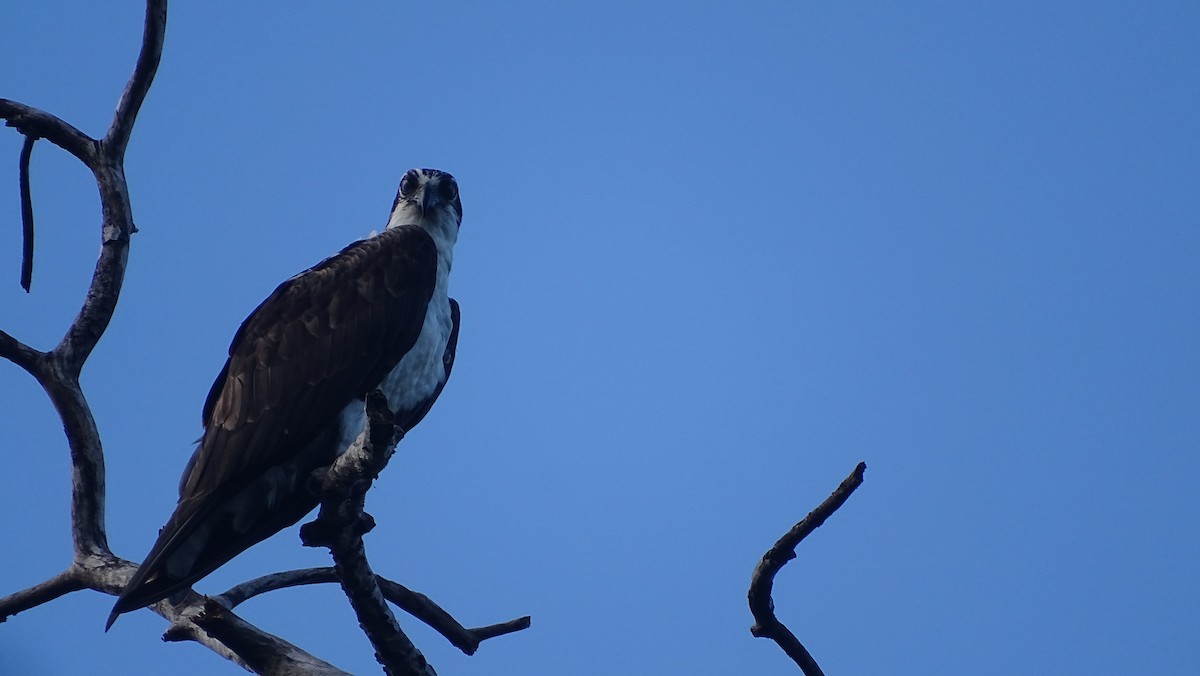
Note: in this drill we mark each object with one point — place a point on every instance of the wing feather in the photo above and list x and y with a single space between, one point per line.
321 339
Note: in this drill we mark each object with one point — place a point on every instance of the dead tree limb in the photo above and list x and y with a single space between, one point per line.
766 624
340 525
342 521
93 565
414 603
58 370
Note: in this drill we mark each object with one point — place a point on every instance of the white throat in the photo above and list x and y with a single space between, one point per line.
441 225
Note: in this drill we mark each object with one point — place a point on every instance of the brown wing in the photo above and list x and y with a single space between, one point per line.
321 339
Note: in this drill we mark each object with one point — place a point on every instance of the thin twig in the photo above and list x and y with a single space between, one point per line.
414 603
424 609
766 624
240 593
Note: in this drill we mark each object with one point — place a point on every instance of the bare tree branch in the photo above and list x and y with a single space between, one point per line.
766 625
118 225
139 83
222 632
59 585
414 603
340 525
240 593
61 377
424 609
256 650
88 533
34 122
94 566
342 520
33 361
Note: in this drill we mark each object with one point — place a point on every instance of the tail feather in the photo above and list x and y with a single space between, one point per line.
193 545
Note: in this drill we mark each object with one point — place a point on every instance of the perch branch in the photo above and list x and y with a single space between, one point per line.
342 520
766 624
340 525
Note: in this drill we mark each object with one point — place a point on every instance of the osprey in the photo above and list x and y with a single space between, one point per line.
291 396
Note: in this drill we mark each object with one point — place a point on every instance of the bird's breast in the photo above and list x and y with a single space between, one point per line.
412 381
421 371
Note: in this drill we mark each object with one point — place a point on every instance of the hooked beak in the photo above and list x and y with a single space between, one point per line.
429 198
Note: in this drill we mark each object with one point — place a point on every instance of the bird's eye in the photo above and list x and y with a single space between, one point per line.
409 184
448 190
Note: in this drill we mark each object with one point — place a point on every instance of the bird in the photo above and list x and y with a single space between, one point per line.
291 396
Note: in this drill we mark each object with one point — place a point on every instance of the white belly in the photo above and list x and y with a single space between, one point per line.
413 380
421 371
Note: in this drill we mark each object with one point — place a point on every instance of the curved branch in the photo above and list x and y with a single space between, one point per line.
139 83
58 371
94 566
38 123
766 625
240 593
109 275
424 609
88 532
118 226
414 603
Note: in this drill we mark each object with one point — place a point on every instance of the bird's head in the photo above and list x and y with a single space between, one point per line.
429 198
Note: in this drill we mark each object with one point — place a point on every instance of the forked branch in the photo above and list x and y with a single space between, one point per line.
340 525
57 371
342 520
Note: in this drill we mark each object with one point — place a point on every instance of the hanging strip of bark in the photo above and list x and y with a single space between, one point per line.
26 215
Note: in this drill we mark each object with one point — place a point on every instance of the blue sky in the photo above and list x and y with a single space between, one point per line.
712 256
